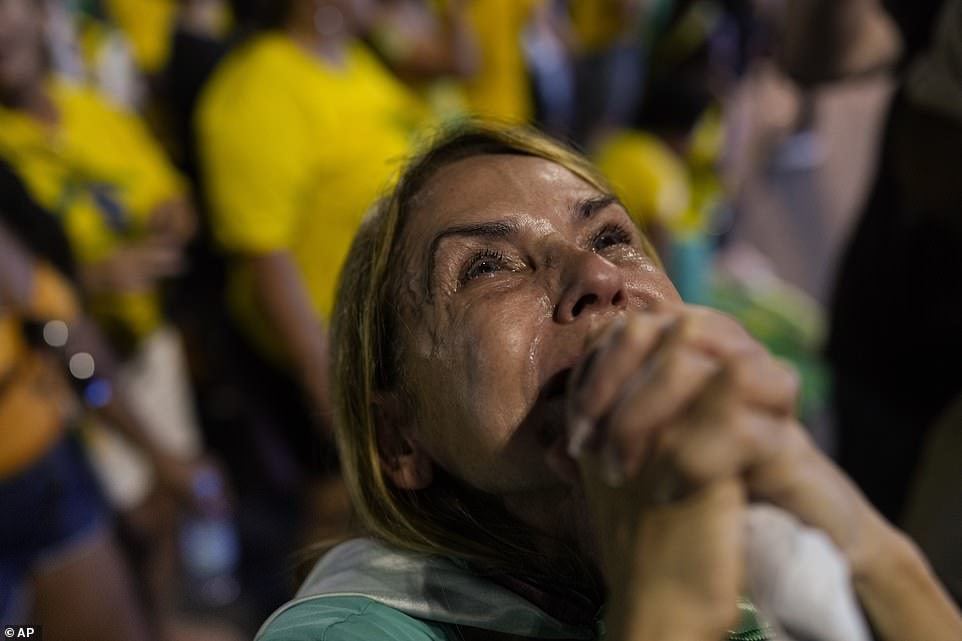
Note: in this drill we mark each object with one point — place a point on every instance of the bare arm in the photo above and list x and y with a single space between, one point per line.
141 265
823 40
903 598
16 272
18 283
281 292
712 409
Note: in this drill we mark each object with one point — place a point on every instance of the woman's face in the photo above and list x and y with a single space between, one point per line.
514 265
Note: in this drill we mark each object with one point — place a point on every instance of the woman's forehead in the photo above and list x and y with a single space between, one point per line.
492 186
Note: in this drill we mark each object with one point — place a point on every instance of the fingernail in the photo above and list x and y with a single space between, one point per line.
581 428
611 470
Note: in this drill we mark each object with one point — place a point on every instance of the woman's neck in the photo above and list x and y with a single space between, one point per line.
560 513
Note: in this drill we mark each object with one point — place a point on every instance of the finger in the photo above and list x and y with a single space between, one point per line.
651 400
175 218
758 376
720 437
580 426
718 335
158 261
597 382
764 381
563 465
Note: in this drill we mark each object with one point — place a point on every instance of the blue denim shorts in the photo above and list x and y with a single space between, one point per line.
44 511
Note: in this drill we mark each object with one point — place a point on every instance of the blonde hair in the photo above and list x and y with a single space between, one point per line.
367 355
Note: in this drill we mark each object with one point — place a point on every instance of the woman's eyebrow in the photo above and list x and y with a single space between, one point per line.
494 229
585 208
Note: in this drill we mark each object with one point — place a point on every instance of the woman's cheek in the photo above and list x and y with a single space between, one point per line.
500 347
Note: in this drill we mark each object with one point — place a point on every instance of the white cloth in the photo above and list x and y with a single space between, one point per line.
798 579
155 384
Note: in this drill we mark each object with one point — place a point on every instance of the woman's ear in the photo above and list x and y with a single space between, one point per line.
402 459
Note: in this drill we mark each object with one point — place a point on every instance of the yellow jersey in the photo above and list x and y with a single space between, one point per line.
34 394
149 27
598 24
501 88
101 173
294 152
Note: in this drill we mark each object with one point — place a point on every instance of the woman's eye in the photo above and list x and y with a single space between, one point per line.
486 261
608 236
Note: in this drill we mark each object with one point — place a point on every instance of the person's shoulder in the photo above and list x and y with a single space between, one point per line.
347 618
265 59
85 102
260 79
95 121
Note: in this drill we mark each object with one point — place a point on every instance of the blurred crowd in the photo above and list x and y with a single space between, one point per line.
181 179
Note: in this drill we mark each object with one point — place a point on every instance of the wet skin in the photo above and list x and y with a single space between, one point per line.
515 264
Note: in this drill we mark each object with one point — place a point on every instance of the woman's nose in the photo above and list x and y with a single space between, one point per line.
590 285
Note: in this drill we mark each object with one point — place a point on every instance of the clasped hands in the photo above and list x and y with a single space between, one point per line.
678 418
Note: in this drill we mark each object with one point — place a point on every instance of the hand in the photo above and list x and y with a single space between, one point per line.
665 384
177 477
687 392
173 221
134 268
672 404
673 571
663 405
685 397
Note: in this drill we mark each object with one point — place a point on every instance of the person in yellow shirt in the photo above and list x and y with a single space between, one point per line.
300 130
150 25
126 216
97 168
501 88
123 209
60 565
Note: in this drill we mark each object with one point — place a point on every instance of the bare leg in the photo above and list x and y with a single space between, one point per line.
89 594
153 524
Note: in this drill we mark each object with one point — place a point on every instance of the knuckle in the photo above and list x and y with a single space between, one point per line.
686 370
708 326
693 466
791 379
636 333
747 433
730 324
744 373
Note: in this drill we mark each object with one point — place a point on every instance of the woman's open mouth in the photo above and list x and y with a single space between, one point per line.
549 410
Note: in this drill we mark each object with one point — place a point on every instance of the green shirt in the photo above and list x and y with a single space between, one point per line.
354 618
363 590
350 618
